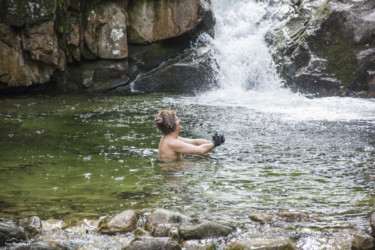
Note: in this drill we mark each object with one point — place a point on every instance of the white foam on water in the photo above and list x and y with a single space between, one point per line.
247 75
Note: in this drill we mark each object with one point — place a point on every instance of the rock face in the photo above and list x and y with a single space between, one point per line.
157 20
105 33
45 41
326 47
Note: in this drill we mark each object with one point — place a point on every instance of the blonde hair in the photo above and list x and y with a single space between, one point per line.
165 121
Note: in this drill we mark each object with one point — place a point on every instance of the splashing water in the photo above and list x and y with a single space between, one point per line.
247 76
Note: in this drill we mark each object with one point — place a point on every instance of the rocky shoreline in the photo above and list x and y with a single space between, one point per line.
164 229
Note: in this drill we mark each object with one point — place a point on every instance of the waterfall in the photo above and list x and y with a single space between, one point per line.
247 76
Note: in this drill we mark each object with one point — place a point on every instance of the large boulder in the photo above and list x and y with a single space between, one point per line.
105 34
188 73
325 47
151 21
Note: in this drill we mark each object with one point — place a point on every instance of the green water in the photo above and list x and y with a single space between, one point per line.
76 156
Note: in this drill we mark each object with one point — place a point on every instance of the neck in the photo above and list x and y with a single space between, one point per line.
174 134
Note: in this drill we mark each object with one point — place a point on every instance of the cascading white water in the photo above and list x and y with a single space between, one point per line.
247 76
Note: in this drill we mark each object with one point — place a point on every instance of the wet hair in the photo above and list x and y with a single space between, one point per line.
165 121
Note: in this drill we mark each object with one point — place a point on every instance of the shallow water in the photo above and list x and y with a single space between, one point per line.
77 157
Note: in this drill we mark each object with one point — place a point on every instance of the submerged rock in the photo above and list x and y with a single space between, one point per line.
125 221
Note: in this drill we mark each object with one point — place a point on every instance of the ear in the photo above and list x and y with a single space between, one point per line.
156 111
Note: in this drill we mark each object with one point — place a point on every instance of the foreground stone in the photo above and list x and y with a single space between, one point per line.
204 230
148 243
263 243
32 225
125 221
10 232
162 216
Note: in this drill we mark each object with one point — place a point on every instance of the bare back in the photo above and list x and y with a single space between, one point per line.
166 152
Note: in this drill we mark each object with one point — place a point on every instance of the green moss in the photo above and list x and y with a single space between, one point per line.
341 60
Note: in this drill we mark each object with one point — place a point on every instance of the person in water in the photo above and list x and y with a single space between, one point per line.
172 146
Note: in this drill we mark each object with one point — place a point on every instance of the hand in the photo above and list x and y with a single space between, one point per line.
218 139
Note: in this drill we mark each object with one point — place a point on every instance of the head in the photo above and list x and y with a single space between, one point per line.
166 121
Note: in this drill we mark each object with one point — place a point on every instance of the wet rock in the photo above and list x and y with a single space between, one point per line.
123 222
204 230
106 31
263 243
32 226
10 232
189 73
162 216
361 241
153 243
148 57
263 218
151 21
293 216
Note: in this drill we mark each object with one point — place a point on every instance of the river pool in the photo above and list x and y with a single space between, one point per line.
84 156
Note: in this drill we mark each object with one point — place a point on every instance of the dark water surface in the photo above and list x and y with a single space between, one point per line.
75 156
